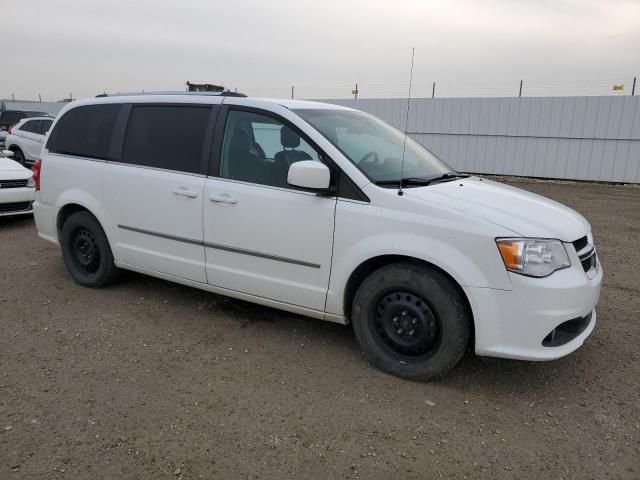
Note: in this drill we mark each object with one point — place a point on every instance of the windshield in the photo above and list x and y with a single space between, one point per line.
374 146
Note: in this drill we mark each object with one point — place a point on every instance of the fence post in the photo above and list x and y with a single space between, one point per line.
433 90
520 92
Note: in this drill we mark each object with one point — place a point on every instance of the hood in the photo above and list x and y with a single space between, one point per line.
524 213
8 165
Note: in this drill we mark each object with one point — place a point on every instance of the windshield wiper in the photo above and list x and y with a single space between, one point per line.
405 181
421 180
447 176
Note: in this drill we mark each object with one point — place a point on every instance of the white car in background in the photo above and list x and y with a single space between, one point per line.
25 138
16 187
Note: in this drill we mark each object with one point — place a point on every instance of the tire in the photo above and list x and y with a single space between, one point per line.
86 251
18 156
411 321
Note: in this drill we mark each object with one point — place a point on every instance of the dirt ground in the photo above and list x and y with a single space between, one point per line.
147 379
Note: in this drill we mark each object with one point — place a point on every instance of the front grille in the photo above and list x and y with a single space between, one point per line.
567 331
13 183
580 243
14 207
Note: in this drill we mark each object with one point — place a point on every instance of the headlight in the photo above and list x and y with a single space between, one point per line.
533 257
31 183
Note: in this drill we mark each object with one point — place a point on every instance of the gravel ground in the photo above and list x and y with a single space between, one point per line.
147 379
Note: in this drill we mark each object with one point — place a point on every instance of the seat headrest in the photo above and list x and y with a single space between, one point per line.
240 140
289 138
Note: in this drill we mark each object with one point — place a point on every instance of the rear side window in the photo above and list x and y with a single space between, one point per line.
167 137
85 131
32 126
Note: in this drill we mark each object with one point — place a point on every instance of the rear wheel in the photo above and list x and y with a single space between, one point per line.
411 320
18 156
86 251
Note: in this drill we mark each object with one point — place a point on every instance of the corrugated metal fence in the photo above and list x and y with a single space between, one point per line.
583 138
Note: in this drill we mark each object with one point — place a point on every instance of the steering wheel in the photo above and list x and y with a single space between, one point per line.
374 158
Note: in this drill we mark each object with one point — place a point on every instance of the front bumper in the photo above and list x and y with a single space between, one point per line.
515 323
16 201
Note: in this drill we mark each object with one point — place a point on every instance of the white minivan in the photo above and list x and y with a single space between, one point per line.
309 207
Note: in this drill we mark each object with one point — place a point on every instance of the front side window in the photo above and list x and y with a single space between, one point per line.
375 147
167 137
85 131
260 149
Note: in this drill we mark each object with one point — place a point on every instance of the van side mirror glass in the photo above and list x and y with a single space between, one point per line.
309 174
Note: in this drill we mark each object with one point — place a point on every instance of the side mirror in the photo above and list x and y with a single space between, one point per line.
7 153
309 174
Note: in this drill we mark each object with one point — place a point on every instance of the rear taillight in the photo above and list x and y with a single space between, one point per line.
37 165
11 128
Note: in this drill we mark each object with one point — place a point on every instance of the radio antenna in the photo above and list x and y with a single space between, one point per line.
406 122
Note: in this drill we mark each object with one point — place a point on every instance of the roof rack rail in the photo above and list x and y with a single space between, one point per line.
226 93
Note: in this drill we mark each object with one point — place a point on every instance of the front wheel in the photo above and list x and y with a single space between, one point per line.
411 321
86 251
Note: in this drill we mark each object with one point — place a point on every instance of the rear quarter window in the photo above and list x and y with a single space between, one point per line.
32 126
85 131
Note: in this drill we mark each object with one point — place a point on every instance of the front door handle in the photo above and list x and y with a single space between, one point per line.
184 192
223 198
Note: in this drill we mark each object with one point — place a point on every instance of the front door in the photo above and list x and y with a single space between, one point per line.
262 236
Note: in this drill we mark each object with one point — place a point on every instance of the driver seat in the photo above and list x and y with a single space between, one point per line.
290 140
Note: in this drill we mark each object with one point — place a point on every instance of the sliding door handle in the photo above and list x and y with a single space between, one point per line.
184 192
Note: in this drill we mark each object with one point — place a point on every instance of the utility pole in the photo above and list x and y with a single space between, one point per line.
13 98
355 92
633 88
520 92
40 98
433 90
292 92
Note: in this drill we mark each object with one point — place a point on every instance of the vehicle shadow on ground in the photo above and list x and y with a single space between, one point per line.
17 221
472 373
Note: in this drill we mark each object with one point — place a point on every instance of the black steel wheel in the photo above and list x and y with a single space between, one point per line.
405 325
86 251
411 320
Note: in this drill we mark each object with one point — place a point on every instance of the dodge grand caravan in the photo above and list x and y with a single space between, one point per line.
309 207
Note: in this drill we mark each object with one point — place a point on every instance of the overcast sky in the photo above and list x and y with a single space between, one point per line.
54 47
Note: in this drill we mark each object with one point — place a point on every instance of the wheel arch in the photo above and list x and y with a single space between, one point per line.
66 211
73 206
372 264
